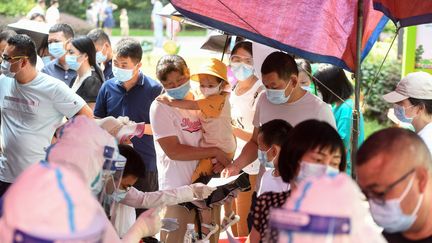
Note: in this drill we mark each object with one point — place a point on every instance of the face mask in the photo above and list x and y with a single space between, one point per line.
72 62
100 57
310 170
119 195
122 75
263 159
307 88
210 91
180 92
390 215
242 71
56 49
399 112
46 60
277 96
5 69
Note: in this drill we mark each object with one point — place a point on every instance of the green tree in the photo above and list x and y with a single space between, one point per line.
419 53
15 7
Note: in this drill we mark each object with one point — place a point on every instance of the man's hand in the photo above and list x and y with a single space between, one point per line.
222 158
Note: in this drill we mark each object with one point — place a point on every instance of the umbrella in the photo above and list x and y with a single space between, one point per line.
168 11
38 31
406 13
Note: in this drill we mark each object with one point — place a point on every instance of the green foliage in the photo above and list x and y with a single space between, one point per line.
15 7
376 107
419 53
74 7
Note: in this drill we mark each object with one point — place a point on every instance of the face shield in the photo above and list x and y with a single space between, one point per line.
112 171
304 227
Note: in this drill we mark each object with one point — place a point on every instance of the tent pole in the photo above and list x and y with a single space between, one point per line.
225 47
356 111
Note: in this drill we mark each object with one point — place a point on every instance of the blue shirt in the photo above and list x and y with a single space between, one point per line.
344 119
114 100
54 69
107 72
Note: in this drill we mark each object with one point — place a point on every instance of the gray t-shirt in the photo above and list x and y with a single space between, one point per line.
30 114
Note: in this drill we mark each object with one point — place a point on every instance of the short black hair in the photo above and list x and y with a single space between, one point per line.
303 65
281 63
134 163
65 28
427 104
275 132
168 64
308 135
98 36
335 79
35 15
128 47
6 34
246 45
24 46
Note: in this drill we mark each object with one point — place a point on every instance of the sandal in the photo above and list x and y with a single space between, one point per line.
213 228
229 221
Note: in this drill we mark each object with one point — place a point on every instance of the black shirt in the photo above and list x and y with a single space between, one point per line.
399 238
90 87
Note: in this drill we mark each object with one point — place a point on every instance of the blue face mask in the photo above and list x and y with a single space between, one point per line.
100 57
263 159
72 62
46 60
242 71
56 49
122 75
119 195
309 170
277 96
399 112
307 88
180 92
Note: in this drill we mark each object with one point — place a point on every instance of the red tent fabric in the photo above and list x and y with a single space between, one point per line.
406 13
321 31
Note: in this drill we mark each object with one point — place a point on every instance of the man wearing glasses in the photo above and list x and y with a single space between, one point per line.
394 169
32 105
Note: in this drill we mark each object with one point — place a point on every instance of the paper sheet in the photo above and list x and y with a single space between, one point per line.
215 182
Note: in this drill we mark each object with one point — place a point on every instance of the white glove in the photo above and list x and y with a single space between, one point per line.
201 191
123 119
147 224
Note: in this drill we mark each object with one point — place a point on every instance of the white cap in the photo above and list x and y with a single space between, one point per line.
50 202
330 196
416 85
81 145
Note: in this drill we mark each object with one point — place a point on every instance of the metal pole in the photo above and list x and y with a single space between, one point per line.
356 111
225 47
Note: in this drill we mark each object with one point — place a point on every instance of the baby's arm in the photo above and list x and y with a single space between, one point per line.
182 104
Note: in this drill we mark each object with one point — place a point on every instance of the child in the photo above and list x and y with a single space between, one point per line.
271 136
215 117
124 23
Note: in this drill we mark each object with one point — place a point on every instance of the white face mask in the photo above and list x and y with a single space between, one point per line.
390 215
210 91
242 71
5 69
309 170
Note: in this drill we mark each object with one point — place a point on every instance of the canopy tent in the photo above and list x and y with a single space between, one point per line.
333 31
320 31
406 13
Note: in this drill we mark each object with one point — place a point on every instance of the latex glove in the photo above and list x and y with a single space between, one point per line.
123 119
201 191
147 224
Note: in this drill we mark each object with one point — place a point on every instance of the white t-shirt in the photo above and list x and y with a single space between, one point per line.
242 113
306 108
426 135
52 15
168 121
270 183
30 114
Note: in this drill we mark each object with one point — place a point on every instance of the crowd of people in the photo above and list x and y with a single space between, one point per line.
92 148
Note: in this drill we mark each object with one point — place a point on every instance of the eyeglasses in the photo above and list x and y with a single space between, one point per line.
379 197
8 59
242 59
